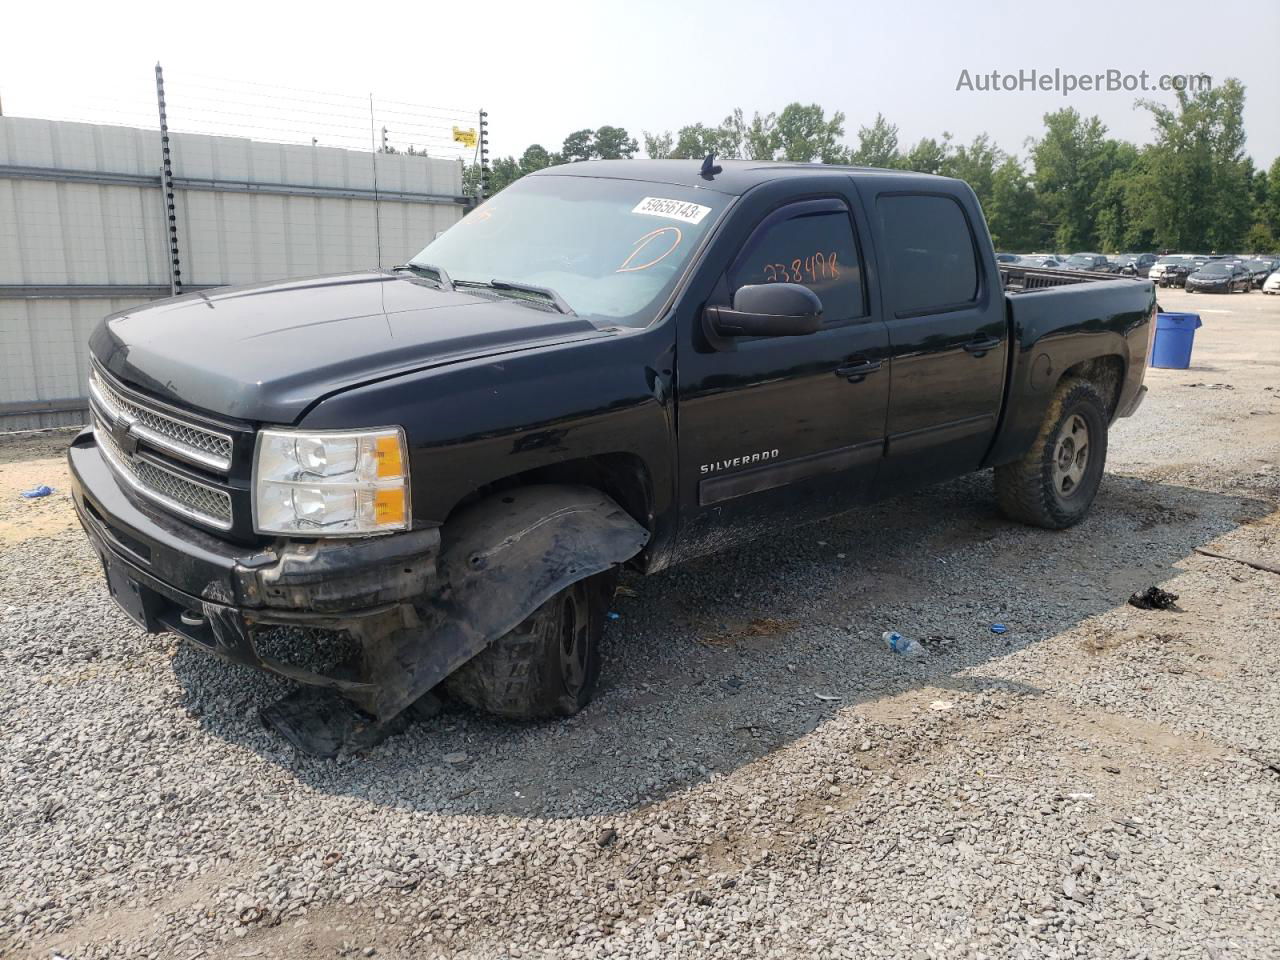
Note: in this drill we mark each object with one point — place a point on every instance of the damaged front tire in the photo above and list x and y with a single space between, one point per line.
548 665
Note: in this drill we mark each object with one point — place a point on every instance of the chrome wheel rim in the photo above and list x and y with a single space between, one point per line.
1070 456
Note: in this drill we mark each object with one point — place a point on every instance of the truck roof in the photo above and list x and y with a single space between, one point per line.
735 178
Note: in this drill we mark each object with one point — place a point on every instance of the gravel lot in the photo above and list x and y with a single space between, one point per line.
760 776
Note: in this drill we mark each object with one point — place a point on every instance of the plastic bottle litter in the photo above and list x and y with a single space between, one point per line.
40 491
999 628
904 646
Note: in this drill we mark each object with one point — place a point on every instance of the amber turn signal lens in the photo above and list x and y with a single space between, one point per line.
388 455
388 507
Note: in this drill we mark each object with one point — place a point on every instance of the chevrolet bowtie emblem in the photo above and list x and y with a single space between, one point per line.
122 434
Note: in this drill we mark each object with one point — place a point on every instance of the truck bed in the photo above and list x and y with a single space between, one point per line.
1018 279
1058 319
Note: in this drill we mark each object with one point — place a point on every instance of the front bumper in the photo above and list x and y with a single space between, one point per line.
171 577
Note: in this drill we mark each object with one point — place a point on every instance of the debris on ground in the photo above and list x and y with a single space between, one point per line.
1256 564
1153 598
36 492
904 646
321 723
756 627
999 628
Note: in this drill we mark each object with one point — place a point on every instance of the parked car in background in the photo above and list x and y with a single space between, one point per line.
1220 277
1088 261
1260 268
1272 283
1136 264
1041 261
1171 271
1007 258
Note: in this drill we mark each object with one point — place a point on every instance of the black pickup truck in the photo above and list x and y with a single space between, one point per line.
609 363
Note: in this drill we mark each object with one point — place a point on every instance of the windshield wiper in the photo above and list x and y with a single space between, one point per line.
515 286
425 270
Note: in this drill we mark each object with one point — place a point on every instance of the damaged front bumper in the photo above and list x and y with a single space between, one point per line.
169 576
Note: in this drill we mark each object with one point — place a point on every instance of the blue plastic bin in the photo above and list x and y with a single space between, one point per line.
1175 335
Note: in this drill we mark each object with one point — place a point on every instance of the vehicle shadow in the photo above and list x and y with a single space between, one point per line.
717 662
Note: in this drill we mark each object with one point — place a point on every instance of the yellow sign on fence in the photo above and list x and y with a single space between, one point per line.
465 137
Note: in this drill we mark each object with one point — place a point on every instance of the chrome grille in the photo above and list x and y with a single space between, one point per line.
185 497
196 445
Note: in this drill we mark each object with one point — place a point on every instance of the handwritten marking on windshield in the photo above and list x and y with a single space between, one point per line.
673 237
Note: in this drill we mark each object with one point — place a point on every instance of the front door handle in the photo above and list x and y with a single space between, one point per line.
856 371
982 346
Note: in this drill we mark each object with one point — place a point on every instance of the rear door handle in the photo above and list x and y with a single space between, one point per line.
857 370
982 346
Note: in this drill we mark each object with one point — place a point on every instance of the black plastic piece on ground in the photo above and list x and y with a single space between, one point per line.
322 723
1153 598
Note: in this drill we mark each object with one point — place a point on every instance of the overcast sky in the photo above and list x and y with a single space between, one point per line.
545 68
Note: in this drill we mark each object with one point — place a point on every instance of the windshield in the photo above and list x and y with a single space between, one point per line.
1215 270
1082 260
613 249
1169 260
1258 265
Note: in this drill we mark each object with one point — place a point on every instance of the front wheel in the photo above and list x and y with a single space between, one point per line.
548 665
1054 483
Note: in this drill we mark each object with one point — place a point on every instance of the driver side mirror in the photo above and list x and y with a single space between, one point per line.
769 310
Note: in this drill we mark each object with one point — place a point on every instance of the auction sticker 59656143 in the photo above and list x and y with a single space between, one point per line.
672 209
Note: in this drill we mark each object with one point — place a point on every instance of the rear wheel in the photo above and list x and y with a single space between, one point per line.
548 665
1054 484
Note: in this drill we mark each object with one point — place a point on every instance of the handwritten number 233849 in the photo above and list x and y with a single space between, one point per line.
811 269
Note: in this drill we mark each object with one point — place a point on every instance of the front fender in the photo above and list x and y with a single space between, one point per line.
500 559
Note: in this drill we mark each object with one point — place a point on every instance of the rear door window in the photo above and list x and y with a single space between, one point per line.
932 262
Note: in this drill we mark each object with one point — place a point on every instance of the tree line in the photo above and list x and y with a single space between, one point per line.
1193 188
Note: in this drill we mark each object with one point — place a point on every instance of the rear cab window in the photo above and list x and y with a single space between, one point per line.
931 259
812 243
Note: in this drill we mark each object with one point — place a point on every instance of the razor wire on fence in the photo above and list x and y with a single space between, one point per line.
233 107
214 181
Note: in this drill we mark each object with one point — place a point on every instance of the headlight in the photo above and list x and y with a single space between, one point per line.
329 483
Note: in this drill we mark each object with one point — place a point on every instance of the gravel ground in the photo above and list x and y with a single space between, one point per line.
759 776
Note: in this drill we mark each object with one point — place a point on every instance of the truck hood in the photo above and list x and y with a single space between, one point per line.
267 352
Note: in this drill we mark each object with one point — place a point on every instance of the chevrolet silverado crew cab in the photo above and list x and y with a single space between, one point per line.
609 363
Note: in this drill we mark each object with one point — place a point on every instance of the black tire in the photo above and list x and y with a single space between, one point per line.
1050 487
548 665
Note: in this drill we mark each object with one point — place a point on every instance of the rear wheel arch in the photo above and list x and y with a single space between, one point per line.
1106 372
